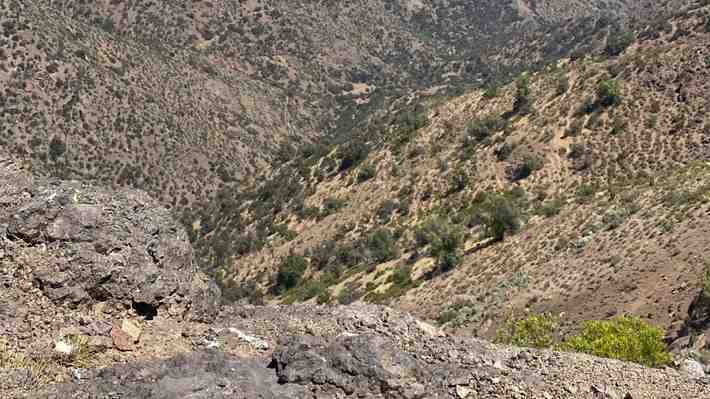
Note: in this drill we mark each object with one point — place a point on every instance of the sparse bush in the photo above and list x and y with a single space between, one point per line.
480 129
608 93
458 180
550 208
290 273
706 283
652 121
625 338
351 154
584 193
233 291
521 104
56 148
348 295
380 246
618 42
366 173
587 107
459 314
576 150
561 84
499 216
534 331
444 240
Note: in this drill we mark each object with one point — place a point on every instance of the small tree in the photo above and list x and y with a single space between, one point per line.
534 331
290 273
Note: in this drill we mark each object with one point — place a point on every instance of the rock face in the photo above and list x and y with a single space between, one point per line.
371 352
84 245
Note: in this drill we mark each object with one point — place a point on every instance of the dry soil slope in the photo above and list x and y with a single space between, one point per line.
82 103
630 182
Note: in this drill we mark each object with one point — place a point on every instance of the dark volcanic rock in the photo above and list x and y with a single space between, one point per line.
85 245
209 375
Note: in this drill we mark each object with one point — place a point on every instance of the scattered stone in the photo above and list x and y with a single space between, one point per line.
463 391
63 348
692 368
125 339
132 329
256 342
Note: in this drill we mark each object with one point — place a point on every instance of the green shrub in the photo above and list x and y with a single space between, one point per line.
608 93
56 148
290 273
521 103
380 246
499 216
625 338
535 331
458 180
445 240
491 91
617 42
480 129
366 173
330 206
550 208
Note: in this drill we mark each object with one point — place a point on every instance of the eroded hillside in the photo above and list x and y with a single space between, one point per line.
579 190
183 98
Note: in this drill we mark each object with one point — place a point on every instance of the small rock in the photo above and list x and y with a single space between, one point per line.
463 391
64 348
692 368
99 343
132 329
256 342
125 339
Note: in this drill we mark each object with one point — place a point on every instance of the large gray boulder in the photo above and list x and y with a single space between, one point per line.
85 245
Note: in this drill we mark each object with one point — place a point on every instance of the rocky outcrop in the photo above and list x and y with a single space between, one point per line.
371 352
84 246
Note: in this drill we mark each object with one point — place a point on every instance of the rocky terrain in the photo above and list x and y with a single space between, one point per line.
100 299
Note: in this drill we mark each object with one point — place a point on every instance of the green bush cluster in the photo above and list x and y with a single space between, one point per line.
625 338
534 331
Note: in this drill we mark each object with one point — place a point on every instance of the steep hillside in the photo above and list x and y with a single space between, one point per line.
100 298
182 98
580 189
78 102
